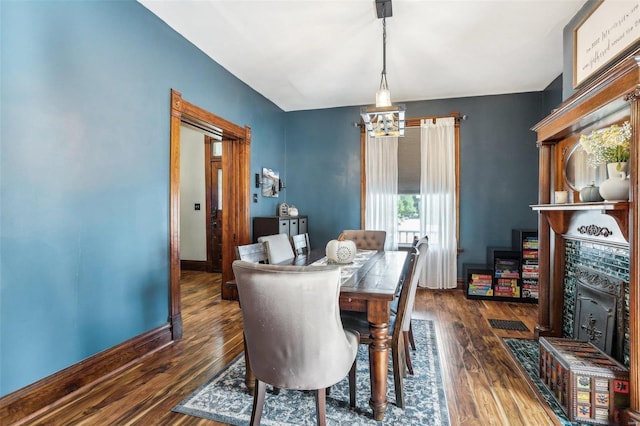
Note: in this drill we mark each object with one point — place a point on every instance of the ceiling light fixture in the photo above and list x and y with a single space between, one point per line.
385 119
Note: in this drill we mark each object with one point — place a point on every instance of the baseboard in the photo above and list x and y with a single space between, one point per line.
194 265
28 401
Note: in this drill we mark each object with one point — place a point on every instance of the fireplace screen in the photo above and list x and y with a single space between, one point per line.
599 315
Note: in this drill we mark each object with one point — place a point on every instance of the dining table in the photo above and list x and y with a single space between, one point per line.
369 284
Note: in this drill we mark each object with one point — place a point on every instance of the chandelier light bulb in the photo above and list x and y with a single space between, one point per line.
383 98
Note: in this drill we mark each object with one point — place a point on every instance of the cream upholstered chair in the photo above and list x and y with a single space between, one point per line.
301 246
398 323
365 239
278 247
293 330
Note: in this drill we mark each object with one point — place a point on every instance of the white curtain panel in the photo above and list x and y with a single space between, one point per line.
381 168
438 202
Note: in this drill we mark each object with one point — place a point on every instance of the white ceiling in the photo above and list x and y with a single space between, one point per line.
310 54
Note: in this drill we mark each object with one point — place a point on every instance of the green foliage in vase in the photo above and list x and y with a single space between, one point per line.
609 145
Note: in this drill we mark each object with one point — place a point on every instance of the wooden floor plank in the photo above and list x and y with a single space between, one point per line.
483 385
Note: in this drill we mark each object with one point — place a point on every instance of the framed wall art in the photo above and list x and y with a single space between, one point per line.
610 29
270 182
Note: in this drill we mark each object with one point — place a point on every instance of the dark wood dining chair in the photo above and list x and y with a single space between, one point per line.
256 253
301 246
399 345
422 244
293 331
365 239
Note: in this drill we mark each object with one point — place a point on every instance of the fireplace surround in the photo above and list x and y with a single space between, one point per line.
583 245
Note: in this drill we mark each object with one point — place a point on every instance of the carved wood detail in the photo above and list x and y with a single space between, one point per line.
595 231
559 216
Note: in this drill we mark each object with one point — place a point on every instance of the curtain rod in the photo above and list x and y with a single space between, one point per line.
456 115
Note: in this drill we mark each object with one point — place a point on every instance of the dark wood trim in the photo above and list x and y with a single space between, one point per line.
594 102
208 226
236 165
175 315
609 98
194 265
632 415
28 401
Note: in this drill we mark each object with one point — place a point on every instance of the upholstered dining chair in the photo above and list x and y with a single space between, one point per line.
365 239
256 253
293 331
398 323
301 246
278 247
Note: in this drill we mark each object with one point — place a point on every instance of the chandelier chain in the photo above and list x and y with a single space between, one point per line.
383 77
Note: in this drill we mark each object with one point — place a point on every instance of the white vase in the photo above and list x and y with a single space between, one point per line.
616 188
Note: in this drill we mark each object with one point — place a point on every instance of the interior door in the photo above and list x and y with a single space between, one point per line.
213 154
215 244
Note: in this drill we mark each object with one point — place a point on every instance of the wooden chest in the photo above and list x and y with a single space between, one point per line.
590 386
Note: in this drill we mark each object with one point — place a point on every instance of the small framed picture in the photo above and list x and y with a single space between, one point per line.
270 182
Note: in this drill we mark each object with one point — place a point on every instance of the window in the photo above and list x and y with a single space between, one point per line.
409 198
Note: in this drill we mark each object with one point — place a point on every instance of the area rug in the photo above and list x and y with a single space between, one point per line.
508 325
526 352
224 398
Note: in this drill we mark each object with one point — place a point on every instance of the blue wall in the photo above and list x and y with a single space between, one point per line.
498 159
85 174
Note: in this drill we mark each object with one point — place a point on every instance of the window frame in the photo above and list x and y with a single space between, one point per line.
412 122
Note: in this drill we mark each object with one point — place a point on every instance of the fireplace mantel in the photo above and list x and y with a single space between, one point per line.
559 215
610 98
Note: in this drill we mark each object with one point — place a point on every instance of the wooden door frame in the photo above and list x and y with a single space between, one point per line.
211 204
208 148
235 194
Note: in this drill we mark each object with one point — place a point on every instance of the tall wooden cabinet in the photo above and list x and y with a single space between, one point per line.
610 98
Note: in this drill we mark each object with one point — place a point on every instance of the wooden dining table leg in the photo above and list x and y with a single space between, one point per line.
378 316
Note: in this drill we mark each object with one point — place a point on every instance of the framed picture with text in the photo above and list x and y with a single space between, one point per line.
610 29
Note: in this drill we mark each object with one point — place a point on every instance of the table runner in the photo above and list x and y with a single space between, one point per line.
346 270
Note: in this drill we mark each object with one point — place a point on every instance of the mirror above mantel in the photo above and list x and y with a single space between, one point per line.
578 173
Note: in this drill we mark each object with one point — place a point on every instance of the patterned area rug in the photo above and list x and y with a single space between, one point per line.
508 325
526 351
225 399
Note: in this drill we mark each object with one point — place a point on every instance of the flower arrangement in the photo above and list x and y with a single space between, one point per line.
610 145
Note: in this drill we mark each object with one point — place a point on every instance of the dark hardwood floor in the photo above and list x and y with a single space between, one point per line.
483 385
